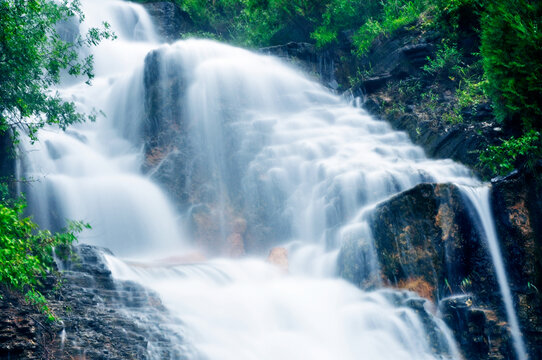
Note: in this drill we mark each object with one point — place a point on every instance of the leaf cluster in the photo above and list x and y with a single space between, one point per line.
513 152
33 57
26 252
512 58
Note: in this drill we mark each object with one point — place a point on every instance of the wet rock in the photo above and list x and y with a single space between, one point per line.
398 58
170 20
419 286
427 235
322 64
100 318
279 257
20 333
424 309
517 204
477 331
236 245
166 147
428 241
390 80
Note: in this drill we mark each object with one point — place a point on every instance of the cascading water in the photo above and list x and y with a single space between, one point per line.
277 147
479 197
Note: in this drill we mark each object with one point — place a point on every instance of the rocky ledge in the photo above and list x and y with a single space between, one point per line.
99 318
429 241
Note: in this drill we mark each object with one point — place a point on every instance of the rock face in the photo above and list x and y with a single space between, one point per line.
393 91
100 318
170 21
22 331
399 56
428 241
478 331
173 161
426 234
517 200
167 149
321 64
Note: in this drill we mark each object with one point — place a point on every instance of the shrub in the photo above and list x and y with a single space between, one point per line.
512 52
447 62
502 159
394 14
26 252
343 15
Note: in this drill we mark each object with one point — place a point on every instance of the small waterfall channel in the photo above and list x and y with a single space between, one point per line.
280 150
479 197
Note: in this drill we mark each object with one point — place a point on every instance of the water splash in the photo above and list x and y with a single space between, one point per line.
250 310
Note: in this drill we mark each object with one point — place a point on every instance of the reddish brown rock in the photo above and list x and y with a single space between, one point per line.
419 286
236 246
279 257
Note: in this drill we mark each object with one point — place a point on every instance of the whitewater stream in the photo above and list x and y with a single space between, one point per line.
267 134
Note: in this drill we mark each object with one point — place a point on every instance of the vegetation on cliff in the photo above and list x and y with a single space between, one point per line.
26 253
33 57
490 51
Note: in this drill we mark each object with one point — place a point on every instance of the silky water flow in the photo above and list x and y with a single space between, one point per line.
264 134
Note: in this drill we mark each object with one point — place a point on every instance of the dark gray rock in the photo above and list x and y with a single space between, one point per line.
476 330
312 61
100 318
170 20
167 148
423 308
517 203
393 64
396 61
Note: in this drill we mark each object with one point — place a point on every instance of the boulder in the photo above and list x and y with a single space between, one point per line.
279 257
428 240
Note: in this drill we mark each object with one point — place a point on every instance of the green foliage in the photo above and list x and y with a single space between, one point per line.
471 93
503 158
512 52
447 62
343 15
458 17
365 36
453 116
393 15
26 252
32 57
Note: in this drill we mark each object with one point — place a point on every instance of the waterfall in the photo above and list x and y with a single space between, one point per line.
479 197
298 164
